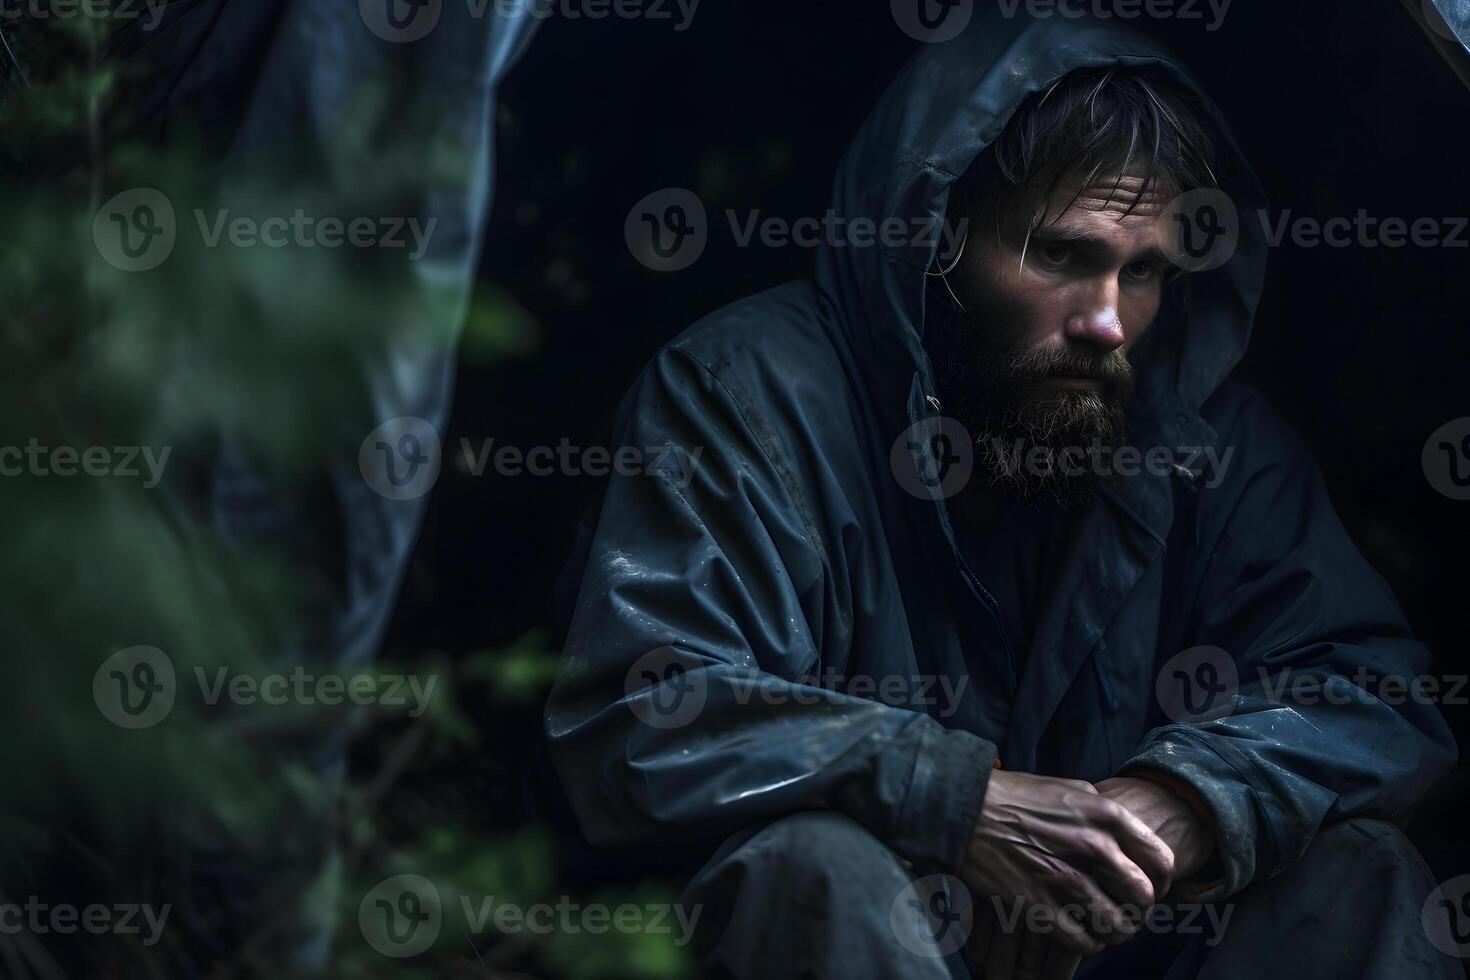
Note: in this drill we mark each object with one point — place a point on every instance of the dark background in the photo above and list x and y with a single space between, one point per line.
1362 349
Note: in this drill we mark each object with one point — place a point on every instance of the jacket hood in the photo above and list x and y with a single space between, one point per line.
946 106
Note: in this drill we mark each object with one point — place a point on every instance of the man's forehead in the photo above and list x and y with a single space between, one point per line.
1125 196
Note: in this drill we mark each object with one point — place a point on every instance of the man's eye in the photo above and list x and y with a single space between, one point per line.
1055 256
1140 271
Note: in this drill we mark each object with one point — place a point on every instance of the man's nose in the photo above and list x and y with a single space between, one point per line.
1097 321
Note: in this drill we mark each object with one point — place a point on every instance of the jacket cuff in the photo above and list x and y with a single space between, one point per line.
937 817
1229 798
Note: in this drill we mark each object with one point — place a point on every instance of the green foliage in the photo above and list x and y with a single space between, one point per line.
267 354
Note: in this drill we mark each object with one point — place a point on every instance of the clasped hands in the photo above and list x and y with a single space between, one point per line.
1060 869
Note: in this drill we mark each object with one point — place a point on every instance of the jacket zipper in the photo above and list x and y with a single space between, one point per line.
992 607
986 599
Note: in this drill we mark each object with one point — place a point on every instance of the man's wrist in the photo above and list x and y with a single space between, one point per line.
1212 868
1180 789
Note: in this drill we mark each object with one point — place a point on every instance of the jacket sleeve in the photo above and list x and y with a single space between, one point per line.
678 715
1326 724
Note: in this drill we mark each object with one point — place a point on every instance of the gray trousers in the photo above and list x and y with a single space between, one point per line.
816 895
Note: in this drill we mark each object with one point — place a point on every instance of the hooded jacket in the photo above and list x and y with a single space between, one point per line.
791 550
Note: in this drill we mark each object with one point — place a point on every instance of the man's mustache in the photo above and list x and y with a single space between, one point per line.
1112 370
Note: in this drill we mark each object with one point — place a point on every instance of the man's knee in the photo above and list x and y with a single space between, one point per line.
814 893
809 852
1350 907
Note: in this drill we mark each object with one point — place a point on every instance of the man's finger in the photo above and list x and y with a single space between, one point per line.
1082 908
1123 881
1144 848
1073 934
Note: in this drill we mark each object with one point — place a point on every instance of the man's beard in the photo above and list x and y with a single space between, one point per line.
1033 442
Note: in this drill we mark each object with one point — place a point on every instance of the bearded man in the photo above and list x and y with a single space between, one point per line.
1024 470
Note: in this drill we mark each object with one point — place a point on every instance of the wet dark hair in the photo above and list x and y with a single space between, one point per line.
1093 123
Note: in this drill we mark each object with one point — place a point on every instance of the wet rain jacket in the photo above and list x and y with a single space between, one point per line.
791 551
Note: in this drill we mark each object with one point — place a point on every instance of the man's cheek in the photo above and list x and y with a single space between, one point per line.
1137 317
